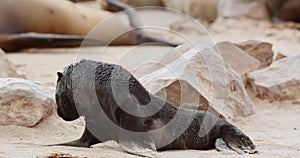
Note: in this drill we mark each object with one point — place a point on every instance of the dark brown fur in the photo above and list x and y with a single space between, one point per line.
104 75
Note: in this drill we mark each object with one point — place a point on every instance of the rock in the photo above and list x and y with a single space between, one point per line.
262 51
191 78
239 60
289 11
242 8
202 9
279 56
139 3
7 69
24 102
280 81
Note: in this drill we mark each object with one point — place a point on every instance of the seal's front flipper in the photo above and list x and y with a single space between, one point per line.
75 143
87 139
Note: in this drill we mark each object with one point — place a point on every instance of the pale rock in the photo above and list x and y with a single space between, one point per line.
280 56
238 59
280 81
24 102
139 3
203 9
197 78
7 69
242 8
260 50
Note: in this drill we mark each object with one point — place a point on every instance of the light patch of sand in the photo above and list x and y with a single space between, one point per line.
275 128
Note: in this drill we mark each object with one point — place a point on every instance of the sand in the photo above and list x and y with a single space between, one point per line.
274 128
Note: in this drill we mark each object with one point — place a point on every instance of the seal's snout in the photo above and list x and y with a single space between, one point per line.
65 109
69 117
60 114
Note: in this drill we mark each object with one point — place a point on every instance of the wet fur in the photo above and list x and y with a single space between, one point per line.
188 140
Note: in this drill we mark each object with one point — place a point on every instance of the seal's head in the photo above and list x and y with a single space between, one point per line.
66 108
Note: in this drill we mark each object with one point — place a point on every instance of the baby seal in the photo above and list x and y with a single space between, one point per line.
101 90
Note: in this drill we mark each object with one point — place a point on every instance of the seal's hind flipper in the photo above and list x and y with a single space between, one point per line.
238 142
239 150
243 148
221 145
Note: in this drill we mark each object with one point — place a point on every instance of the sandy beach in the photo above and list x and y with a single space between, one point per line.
274 128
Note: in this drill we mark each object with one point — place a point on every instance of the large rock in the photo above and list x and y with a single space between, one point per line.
262 51
238 59
24 102
7 69
202 9
197 79
280 81
243 8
